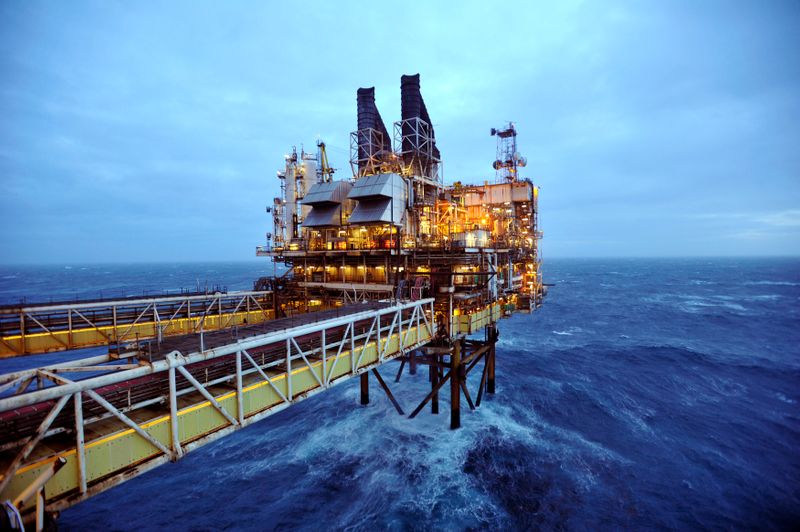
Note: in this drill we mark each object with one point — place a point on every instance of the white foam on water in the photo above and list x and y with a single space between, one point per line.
693 304
572 450
763 297
785 399
633 413
771 283
725 387
569 331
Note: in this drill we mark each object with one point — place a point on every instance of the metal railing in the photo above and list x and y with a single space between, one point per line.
41 328
253 378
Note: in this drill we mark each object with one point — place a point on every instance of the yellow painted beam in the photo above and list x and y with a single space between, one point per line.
476 320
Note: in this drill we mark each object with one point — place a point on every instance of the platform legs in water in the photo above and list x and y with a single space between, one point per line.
458 357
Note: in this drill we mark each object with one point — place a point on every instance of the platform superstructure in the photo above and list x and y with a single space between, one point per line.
395 230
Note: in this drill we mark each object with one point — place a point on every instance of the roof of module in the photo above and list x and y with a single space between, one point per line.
332 193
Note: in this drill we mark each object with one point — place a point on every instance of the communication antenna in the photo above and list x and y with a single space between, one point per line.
508 160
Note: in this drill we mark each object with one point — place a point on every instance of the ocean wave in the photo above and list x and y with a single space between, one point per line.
771 283
785 399
710 303
693 303
697 304
569 331
629 411
764 297
725 387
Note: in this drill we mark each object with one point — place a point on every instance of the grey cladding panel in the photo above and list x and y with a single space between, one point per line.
333 193
323 216
377 211
375 186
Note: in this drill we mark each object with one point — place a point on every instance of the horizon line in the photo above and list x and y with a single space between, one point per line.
267 261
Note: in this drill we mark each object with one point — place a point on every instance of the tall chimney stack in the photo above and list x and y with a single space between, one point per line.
413 106
370 118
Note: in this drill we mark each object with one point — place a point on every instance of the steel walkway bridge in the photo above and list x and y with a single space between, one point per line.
41 328
74 429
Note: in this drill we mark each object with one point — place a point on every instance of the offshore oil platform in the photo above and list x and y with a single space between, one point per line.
388 264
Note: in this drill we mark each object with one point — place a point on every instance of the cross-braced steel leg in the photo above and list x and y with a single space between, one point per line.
388 391
400 371
430 395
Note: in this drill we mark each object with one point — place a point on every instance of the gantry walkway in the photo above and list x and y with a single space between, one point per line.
92 424
40 328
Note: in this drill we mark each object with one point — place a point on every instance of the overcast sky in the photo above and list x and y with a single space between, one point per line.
139 131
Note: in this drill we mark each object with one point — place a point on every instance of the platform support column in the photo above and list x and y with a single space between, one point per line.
174 429
434 377
492 337
365 388
80 453
455 385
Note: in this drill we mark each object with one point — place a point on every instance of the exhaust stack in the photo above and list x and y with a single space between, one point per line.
373 141
419 142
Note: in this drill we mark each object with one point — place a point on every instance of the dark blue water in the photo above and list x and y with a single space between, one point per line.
645 394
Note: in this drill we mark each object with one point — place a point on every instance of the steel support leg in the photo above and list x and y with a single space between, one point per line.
490 361
434 386
400 371
365 388
455 385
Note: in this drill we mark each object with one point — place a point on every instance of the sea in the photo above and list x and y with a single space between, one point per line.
645 394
